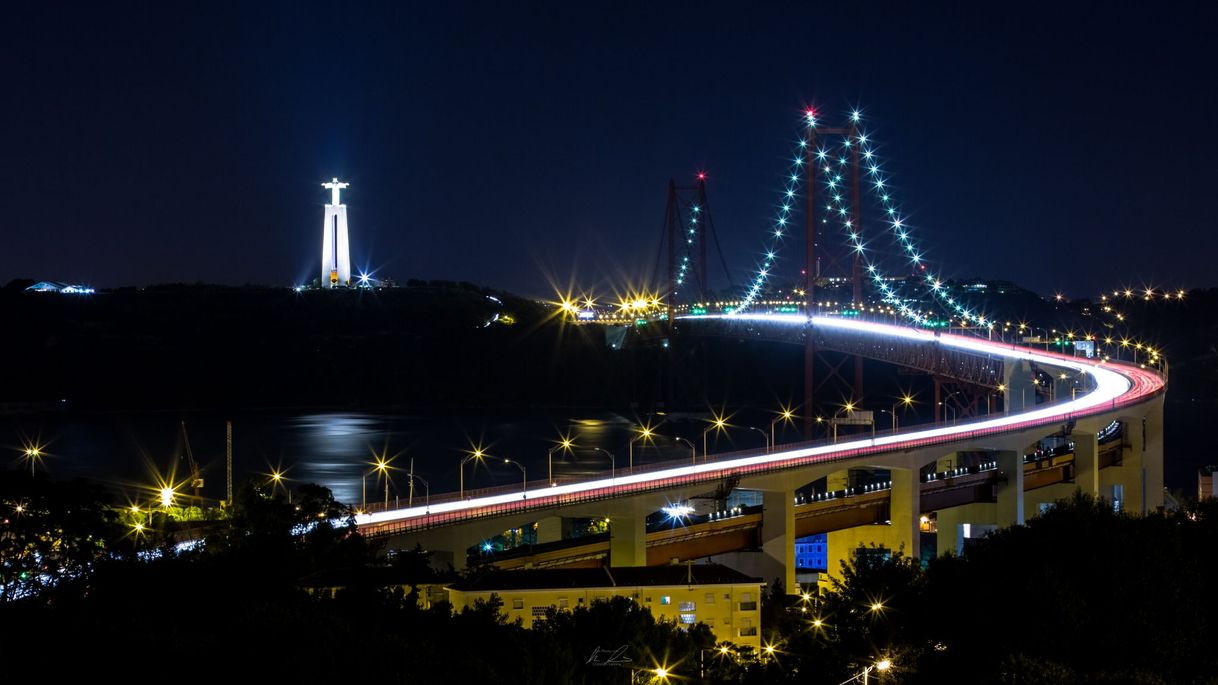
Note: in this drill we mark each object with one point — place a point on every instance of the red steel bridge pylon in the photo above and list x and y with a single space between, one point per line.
812 258
689 229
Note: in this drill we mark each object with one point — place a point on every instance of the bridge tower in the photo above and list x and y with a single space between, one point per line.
813 255
688 230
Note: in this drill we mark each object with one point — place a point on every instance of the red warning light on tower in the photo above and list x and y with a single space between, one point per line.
701 175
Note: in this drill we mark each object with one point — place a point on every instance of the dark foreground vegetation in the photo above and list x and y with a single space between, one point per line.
1080 594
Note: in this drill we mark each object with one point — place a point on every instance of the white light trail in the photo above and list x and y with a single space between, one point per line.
1111 384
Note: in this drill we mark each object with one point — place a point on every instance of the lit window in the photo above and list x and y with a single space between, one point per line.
665 599
687 606
688 619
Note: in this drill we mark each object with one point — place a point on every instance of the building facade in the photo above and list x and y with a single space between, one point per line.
727 601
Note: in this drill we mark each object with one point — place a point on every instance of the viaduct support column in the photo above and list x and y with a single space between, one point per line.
838 480
552 529
1152 460
905 511
1010 489
1086 462
628 540
778 537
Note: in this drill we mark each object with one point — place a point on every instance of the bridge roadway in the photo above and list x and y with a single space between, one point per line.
703 536
1130 394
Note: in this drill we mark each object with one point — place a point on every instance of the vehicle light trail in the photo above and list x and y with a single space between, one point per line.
1116 385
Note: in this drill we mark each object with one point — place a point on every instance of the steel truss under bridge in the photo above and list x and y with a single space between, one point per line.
934 359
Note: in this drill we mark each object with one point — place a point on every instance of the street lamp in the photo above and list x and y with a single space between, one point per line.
426 491
945 405
524 477
786 415
564 445
952 409
277 481
33 454
612 462
645 433
881 666
381 465
693 451
764 436
893 414
718 424
477 454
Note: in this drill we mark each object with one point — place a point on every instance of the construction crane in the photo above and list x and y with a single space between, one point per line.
196 479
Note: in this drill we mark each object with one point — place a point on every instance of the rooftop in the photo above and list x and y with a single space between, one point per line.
624 576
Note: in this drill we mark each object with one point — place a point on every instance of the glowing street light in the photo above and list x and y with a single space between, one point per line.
718 423
381 466
565 445
167 494
645 433
33 454
478 455
785 415
881 666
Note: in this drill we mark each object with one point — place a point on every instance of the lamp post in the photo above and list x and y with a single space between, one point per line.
764 436
426 491
719 424
945 405
849 409
565 445
786 415
645 433
382 466
880 666
893 414
693 451
32 455
952 410
524 477
612 462
477 454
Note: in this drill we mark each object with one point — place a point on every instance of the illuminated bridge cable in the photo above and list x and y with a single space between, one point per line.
782 222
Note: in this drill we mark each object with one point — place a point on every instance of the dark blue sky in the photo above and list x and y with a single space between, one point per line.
509 144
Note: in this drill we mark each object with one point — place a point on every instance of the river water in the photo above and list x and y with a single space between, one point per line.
130 452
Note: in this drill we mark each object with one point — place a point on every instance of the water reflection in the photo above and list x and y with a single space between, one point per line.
337 449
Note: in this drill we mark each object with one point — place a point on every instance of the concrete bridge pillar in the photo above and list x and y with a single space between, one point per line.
778 537
628 540
905 511
978 516
1152 460
552 529
838 480
1141 471
1086 462
1010 489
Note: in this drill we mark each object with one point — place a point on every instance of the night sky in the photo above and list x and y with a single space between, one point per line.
513 145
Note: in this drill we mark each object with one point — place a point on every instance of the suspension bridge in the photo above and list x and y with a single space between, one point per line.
854 300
